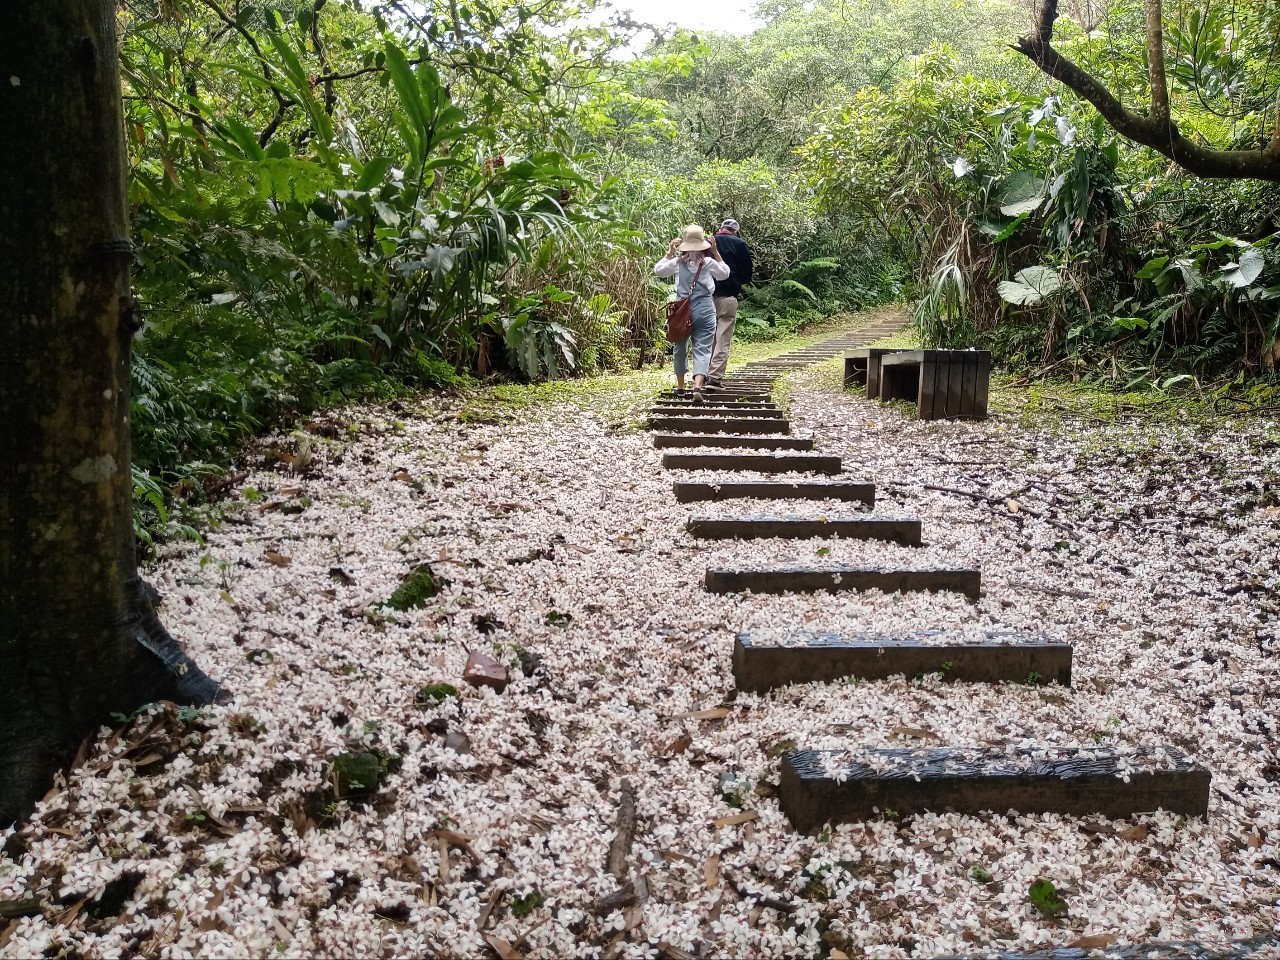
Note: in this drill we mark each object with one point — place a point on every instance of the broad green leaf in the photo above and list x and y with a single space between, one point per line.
1023 193
1030 286
1152 268
1246 270
1011 229
373 173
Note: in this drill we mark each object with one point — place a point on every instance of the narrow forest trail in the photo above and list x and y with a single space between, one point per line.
562 552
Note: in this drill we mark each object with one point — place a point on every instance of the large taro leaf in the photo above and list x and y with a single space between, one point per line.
1246 270
1023 193
1030 286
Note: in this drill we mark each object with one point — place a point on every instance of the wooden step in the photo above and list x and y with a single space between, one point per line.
720 424
1077 782
716 410
717 396
839 579
680 403
756 463
905 532
676 440
687 492
809 657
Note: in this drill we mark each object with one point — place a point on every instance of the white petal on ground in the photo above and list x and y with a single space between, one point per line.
1153 551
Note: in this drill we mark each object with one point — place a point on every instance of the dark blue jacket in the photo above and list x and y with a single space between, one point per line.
737 255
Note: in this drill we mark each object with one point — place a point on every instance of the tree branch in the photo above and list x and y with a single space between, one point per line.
282 102
1147 130
330 95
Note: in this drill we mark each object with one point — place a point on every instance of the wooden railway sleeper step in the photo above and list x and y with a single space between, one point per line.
666 441
840 579
803 656
674 406
716 396
755 463
720 424
834 787
715 410
902 531
843 491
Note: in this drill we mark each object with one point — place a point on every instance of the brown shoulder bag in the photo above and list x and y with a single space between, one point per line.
680 312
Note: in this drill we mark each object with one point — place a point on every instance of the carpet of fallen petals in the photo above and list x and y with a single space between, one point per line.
558 544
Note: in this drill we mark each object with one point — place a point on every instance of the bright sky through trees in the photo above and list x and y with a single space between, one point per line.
726 16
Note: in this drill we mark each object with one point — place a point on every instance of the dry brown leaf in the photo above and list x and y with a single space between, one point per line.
634 914
1093 942
711 871
279 559
494 899
290 491
442 847
915 733
670 952
736 818
153 756
271 505
211 920
678 746
504 950
674 857
1138 831
404 476
66 917
297 815
457 840
715 713
838 954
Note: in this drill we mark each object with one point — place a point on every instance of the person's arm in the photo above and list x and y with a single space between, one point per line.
716 266
669 265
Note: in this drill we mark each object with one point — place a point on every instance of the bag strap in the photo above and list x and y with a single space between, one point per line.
696 275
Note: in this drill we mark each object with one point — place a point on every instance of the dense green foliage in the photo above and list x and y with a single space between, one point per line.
335 198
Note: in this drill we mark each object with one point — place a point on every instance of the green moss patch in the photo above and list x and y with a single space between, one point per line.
415 589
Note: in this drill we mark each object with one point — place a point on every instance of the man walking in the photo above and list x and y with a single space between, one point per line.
737 255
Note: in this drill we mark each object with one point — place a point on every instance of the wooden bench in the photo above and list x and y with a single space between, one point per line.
862 368
946 384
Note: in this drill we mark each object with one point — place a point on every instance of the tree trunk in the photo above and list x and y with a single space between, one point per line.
78 635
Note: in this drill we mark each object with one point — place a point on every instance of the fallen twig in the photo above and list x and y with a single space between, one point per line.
620 849
770 903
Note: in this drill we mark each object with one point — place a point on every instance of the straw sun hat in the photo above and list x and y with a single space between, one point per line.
694 238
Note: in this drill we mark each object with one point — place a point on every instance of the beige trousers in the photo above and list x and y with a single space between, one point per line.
726 319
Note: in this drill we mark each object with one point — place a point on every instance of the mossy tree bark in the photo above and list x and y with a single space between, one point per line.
79 638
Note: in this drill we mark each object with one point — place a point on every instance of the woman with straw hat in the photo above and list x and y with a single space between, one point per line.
692 258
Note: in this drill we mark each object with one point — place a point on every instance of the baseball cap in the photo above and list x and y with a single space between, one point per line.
729 224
